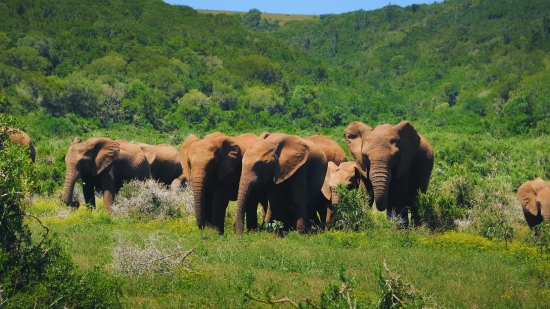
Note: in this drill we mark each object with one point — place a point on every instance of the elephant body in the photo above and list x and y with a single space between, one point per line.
398 162
534 197
103 164
214 165
165 162
293 170
21 138
332 150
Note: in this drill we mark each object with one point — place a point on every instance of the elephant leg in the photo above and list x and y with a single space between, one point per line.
252 216
330 212
322 211
277 209
300 208
109 189
397 190
220 200
89 194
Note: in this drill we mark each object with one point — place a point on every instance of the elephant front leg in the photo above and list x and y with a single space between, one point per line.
89 194
108 187
396 207
219 205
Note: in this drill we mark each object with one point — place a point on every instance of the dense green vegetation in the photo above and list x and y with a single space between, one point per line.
471 75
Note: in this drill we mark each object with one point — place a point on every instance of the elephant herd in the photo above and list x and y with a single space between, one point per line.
293 178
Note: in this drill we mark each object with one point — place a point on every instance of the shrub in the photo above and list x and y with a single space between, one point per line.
131 260
352 213
38 272
150 200
439 211
398 294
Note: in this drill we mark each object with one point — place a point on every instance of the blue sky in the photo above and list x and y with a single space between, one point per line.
293 6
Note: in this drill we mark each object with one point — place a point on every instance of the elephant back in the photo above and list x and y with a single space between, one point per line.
131 162
332 150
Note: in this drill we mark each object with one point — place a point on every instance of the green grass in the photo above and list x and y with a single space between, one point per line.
456 270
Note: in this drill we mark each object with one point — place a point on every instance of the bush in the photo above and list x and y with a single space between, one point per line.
38 272
438 211
150 200
353 212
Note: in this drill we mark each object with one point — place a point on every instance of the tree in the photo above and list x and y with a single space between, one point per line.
252 18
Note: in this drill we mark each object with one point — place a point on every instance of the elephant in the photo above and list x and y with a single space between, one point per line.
351 176
165 162
293 169
21 138
103 164
332 150
214 165
398 162
534 197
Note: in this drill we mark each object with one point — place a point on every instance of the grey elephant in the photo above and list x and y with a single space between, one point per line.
294 170
103 164
165 162
398 162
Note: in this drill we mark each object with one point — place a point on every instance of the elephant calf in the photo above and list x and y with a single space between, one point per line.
104 164
534 197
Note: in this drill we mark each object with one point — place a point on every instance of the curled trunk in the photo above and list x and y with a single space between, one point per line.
380 180
71 176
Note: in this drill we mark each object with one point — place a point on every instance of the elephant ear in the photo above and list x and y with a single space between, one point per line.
527 197
360 178
291 154
325 189
409 143
149 151
354 135
185 156
264 135
77 140
106 155
230 156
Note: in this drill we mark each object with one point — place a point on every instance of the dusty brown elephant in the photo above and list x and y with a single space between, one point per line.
214 164
165 162
294 170
348 174
103 164
534 197
398 162
332 150
21 138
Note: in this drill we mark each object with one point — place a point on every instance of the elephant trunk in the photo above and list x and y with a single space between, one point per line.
380 179
246 185
335 197
71 176
198 179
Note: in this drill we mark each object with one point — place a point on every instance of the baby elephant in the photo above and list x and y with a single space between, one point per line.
351 176
534 197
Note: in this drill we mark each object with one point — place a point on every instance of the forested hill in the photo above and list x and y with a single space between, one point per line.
483 65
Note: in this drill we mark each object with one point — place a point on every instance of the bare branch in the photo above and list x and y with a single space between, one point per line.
45 227
272 302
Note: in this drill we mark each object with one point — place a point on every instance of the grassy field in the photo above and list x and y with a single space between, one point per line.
282 18
454 270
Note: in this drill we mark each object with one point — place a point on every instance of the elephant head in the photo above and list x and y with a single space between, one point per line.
348 174
21 138
275 159
185 157
87 159
534 196
385 153
210 160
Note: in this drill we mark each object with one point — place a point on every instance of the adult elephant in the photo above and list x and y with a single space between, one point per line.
348 174
214 165
398 162
294 170
165 162
534 197
22 139
332 150
103 164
